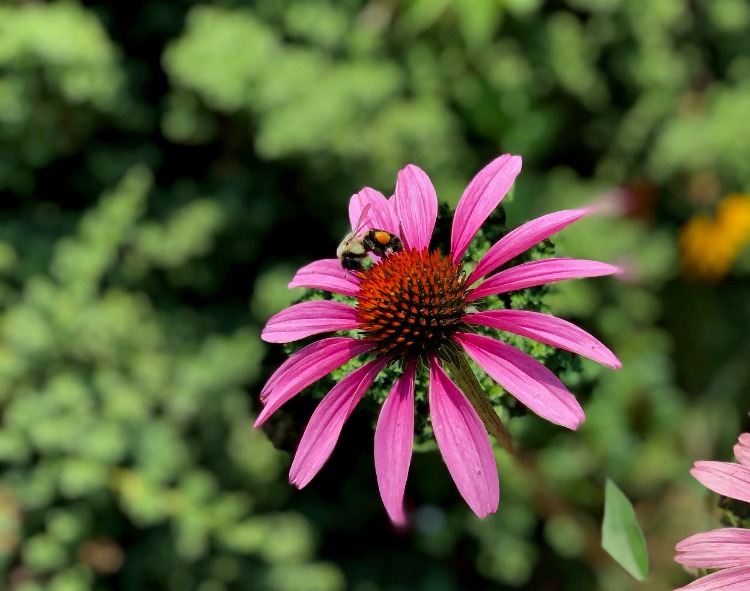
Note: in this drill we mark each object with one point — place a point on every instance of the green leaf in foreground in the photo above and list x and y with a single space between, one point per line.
622 537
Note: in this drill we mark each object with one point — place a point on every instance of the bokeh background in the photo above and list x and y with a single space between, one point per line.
166 166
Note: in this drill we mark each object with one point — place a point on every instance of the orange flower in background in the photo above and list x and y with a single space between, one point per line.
710 246
733 216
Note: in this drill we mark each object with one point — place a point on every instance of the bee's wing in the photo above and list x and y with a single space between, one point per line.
362 220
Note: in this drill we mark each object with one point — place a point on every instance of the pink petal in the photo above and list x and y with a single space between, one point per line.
523 238
416 204
306 366
547 329
463 443
538 273
730 480
324 428
484 193
394 438
720 548
525 378
327 275
742 450
731 579
309 318
382 214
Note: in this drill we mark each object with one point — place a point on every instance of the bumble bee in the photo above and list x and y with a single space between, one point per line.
353 250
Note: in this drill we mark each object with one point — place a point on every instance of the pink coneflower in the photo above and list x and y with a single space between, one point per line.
727 548
415 308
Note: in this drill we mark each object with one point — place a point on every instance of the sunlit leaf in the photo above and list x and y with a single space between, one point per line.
622 537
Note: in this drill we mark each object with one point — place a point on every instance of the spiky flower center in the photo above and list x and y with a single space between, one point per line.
411 302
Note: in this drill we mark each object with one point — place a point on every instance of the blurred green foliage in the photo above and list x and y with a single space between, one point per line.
164 168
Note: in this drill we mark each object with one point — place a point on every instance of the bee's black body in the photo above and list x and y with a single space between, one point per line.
352 250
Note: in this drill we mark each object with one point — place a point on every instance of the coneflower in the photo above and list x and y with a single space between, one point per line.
415 309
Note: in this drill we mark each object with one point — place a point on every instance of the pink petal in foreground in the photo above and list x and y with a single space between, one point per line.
728 479
306 366
327 275
547 329
382 214
416 204
309 318
484 193
731 579
463 443
538 273
527 380
523 238
742 450
394 439
720 548
324 428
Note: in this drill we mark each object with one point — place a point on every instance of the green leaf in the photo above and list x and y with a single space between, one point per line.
622 537
467 382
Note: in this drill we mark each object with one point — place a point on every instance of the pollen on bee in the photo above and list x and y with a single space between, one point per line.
383 237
